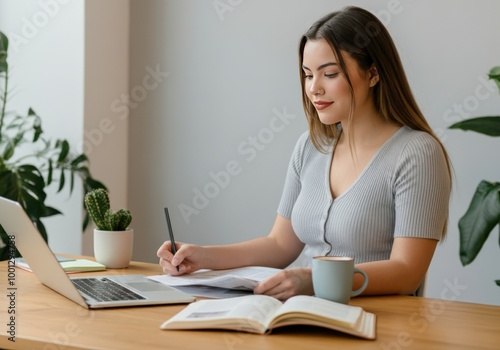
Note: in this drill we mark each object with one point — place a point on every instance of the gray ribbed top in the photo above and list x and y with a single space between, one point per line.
404 191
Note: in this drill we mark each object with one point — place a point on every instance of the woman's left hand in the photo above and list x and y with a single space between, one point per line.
287 283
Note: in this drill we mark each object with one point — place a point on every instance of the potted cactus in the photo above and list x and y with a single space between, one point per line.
113 239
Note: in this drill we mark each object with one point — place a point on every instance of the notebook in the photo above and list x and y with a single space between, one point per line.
68 265
117 290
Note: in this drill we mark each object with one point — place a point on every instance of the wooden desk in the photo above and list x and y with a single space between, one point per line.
47 320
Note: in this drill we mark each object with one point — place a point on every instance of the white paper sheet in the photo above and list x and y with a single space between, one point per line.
244 278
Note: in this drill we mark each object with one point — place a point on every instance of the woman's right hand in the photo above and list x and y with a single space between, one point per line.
188 258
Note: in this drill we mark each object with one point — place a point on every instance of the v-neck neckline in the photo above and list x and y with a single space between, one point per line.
365 169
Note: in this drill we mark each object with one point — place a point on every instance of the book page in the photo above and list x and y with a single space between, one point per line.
252 312
321 310
244 278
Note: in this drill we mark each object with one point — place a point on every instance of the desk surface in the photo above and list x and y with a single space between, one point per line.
47 320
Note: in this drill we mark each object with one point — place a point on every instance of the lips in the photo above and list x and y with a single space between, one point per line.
320 105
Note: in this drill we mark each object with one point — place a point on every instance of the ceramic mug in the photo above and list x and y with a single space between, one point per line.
332 278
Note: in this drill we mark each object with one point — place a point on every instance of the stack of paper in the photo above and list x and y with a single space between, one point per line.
219 283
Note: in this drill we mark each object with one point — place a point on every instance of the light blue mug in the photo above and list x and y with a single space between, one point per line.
332 278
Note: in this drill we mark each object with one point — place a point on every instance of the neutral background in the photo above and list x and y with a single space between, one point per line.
196 105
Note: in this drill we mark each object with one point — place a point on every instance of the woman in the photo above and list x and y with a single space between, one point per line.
368 180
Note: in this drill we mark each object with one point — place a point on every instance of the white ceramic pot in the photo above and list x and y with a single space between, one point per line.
113 248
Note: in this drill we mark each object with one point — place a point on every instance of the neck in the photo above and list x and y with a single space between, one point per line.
367 128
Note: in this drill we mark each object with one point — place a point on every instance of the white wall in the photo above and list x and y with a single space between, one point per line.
105 132
227 74
46 61
69 62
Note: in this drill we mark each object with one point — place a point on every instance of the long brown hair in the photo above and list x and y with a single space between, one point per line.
363 36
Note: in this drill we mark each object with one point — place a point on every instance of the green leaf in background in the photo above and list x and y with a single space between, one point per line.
498 282
62 180
37 129
50 172
479 220
82 158
484 125
494 75
4 44
8 151
8 184
64 146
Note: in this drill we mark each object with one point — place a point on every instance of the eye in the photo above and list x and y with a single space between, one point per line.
331 75
308 76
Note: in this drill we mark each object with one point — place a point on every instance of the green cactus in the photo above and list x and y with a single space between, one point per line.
118 220
98 206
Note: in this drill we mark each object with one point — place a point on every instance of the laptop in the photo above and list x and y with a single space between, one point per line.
117 290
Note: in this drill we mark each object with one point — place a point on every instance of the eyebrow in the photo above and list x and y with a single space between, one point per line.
322 66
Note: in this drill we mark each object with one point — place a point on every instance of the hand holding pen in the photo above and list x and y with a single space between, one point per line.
188 257
171 234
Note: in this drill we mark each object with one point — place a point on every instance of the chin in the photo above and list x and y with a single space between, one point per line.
328 120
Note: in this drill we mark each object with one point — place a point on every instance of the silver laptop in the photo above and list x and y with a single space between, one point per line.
130 290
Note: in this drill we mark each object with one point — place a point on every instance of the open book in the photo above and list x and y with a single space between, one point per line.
261 314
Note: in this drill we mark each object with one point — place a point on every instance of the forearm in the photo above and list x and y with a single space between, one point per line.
387 277
263 251
403 272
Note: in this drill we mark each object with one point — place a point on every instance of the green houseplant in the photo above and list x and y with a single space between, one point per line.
483 214
30 162
113 238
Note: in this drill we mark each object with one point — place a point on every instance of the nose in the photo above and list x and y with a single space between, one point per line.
315 88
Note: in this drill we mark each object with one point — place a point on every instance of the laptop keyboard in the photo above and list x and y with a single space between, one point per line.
104 289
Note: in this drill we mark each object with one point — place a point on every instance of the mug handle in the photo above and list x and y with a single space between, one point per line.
365 283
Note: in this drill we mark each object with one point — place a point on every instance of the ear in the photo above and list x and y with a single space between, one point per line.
374 77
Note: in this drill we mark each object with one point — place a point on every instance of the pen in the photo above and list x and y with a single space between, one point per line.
171 234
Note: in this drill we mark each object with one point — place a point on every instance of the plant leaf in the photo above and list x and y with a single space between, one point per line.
9 150
485 125
81 158
50 172
30 185
479 220
37 128
62 179
8 184
64 145
50 211
494 75
4 45
71 182
498 282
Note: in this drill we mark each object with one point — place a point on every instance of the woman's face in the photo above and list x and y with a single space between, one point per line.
327 88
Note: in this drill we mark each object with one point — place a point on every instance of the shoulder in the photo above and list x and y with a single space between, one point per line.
304 138
303 152
419 153
303 145
415 143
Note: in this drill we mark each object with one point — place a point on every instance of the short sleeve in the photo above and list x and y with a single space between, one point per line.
422 189
292 185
